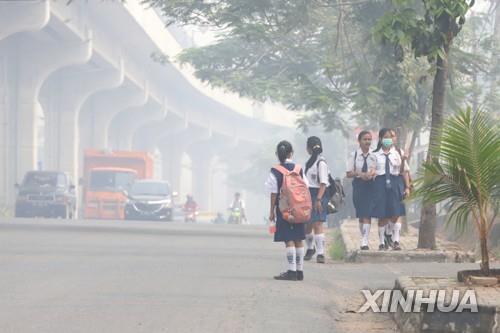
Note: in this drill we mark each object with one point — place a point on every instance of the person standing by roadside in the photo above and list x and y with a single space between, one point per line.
317 177
404 182
361 167
388 193
292 234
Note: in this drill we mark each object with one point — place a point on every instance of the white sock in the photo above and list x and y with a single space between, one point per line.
361 233
310 241
291 258
366 234
300 258
381 234
320 243
389 228
396 232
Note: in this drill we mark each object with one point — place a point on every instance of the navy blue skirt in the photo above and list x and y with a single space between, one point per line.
315 215
362 197
286 232
388 202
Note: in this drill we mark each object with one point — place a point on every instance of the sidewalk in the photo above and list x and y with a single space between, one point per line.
447 251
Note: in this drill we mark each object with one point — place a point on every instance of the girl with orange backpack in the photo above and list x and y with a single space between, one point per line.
290 207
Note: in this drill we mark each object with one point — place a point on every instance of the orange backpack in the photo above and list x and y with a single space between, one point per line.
295 200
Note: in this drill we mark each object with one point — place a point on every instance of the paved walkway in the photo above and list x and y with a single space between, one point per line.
447 251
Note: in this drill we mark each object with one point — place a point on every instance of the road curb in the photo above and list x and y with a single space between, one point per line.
353 253
484 321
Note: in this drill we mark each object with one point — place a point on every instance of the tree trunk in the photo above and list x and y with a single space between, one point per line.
485 259
427 231
413 142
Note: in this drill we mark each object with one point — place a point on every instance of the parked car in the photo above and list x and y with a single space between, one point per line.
150 200
46 194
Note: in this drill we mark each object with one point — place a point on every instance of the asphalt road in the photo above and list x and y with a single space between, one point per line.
97 276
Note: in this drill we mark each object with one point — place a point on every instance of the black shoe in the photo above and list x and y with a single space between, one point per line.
396 246
388 241
288 276
365 248
300 275
381 247
320 259
309 254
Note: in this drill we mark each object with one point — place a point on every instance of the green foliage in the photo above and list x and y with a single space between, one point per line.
465 170
426 26
317 57
336 250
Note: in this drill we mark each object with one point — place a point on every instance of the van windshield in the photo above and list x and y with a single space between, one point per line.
43 180
111 180
150 188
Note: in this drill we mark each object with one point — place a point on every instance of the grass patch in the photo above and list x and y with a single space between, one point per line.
336 249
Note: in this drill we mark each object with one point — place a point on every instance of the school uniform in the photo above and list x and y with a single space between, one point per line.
403 169
388 188
285 231
316 175
362 190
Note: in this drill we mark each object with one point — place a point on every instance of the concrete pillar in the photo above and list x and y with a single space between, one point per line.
19 16
173 144
27 63
203 154
101 108
66 92
125 124
202 178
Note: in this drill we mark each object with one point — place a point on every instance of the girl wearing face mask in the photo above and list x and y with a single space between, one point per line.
404 183
388 194
361 167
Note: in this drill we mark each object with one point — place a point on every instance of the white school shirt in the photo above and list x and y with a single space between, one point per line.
271 183
316 169
371 161
394 159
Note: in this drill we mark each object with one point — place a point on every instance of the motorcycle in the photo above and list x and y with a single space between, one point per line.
235 216
190 216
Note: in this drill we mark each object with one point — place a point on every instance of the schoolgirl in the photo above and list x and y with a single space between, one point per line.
361 167
291 234
404 182
317 177
388 193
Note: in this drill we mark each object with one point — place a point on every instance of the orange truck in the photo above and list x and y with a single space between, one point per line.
106 175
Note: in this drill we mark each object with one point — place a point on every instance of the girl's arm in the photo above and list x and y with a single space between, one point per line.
321 192
350 167
272 214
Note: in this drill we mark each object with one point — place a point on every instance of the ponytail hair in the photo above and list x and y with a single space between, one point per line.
283 150
381 134
316 148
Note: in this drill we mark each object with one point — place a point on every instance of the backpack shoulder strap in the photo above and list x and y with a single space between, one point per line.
284 171
296 169
355 158
403 161
320 159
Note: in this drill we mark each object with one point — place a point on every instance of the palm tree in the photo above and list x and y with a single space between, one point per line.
465 172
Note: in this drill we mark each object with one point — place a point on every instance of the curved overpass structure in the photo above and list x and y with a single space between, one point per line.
83 76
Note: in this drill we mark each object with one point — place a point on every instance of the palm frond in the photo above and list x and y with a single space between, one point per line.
465 169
